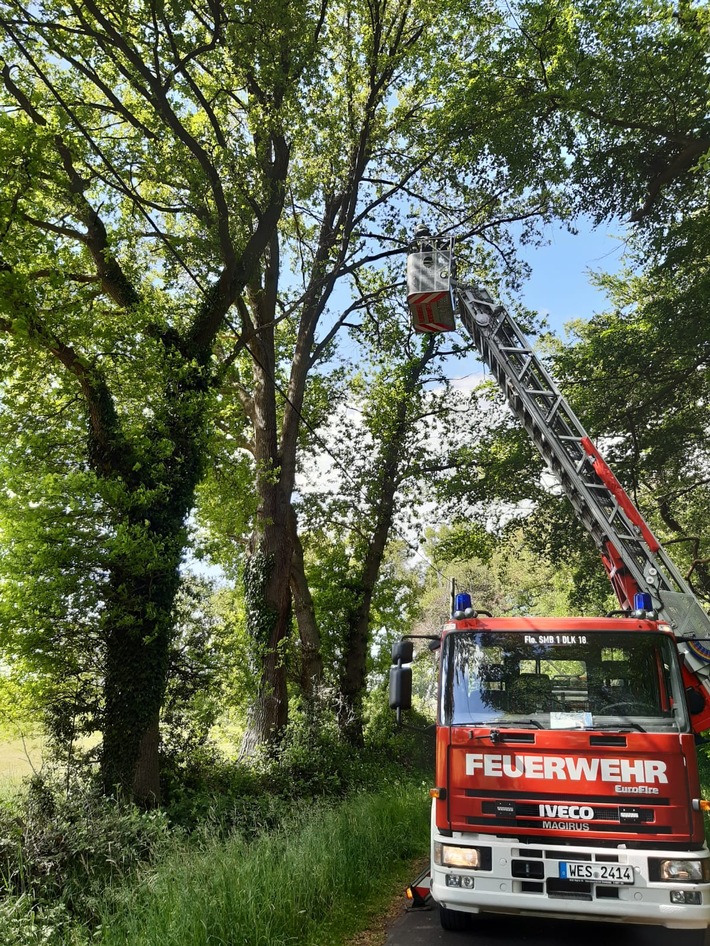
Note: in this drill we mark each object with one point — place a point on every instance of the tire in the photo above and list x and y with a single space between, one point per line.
454 921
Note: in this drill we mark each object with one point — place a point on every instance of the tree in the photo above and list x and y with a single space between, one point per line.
360 170
639 373
625 86
145 153
371 158
164 168
374 468
605 100
507 578
503 498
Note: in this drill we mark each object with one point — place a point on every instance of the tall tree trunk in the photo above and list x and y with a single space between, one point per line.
268 569
268 602
146 777
353 679
138 626
144 576
392 457
311 671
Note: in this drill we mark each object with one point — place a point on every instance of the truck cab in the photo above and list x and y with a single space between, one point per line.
566 774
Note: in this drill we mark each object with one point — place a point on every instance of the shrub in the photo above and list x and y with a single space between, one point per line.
410 745
67 849
312 761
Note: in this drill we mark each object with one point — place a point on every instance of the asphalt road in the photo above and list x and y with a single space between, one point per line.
422 928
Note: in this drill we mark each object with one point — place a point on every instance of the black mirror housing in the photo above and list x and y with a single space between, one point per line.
695 700
403 652
401 688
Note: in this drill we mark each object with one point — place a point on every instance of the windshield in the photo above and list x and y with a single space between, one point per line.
554 680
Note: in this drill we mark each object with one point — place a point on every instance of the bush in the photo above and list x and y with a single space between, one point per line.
312 761
410 745
66 850
67 856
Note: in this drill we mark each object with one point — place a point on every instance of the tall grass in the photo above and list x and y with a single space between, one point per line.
299 885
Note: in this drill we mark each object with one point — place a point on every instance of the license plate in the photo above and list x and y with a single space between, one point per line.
597 873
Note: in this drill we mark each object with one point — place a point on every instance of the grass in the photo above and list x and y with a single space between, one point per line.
313 883
316 881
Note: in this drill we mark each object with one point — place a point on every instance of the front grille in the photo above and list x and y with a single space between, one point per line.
620 814
568 855
527 869
529 886
568 889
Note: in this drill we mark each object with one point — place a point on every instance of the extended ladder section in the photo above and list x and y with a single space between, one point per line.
634 559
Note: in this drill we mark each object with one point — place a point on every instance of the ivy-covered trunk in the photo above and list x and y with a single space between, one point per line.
137 626
354 675
353 679
268 602
150 493
311 668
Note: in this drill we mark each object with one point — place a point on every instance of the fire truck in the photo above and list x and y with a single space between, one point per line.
566 770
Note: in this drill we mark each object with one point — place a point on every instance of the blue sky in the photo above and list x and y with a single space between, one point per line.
559 286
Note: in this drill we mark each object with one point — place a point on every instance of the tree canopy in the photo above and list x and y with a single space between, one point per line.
204 214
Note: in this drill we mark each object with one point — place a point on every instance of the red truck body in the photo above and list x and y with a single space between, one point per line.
576 783
576 794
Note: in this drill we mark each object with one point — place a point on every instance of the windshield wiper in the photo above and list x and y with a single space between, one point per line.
508 723
625 728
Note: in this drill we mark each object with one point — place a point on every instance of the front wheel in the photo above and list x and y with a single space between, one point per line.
455 921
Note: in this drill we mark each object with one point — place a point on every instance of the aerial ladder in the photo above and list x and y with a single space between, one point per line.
646 581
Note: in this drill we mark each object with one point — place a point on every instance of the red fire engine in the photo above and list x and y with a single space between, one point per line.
566 772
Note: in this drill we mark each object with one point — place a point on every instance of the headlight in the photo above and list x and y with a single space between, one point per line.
682 871
445 855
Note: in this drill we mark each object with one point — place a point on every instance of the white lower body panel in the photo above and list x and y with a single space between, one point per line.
528 879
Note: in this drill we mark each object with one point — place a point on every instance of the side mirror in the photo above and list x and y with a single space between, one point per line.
401 688
695 700
401 677
403 652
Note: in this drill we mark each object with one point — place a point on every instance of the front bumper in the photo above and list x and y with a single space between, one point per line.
526 879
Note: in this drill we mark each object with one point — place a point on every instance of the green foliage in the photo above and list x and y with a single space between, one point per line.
234 890
181 195
260 619
605 105
51 582
522 572
605 102
704 774
61 854
72 859
411 746
206 788
192 701
133 212
640 374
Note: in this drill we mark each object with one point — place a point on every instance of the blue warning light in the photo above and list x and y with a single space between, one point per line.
642 601
462 601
